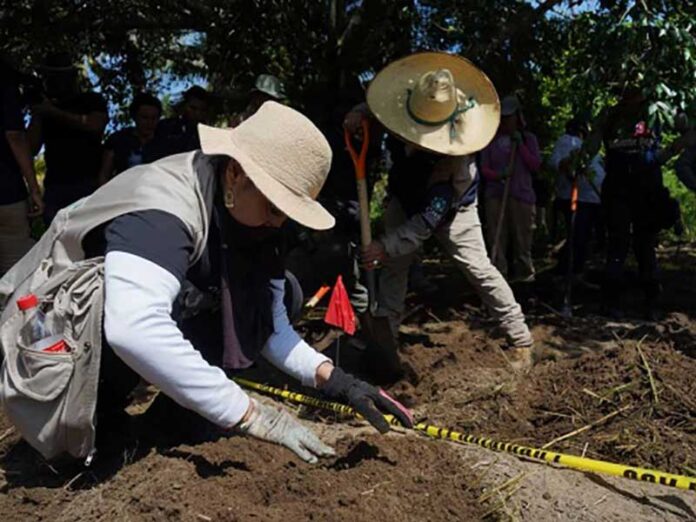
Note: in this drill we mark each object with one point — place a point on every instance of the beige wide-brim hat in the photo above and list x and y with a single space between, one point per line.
284 155
436 101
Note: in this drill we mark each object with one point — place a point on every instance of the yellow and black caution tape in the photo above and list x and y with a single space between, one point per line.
570 461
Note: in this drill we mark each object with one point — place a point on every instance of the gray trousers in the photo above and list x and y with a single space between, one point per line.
517 232
463 240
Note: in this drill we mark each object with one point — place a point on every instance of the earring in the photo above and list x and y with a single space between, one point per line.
229 199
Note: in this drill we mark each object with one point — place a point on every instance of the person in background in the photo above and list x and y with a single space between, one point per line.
518 220
562 161
70 125
133 145
266 88
433 182
686 164
637 205
20 195
179 134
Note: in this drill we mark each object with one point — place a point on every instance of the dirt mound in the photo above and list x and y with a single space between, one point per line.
392 478
465 383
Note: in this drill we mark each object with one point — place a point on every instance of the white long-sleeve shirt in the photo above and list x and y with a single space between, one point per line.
138 326
565 145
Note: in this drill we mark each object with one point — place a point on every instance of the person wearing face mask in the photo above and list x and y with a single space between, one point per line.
133 145
498 167
206 222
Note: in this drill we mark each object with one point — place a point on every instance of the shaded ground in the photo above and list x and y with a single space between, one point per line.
588 369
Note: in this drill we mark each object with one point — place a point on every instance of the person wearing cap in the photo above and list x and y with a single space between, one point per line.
562 161
200 233
70 125
438 110
178 134
134 145
517 215
266 88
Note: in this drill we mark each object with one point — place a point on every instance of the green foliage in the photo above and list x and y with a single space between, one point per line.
563 57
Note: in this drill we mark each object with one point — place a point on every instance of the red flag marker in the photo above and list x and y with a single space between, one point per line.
340 312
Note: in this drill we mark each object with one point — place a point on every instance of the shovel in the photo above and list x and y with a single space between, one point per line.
495 250
567 309
381 342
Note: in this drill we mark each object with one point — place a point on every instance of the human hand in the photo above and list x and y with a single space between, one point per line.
36 204
278 426
372 255
369 401
503 174
353 122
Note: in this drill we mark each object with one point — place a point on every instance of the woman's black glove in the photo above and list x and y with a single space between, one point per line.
369 401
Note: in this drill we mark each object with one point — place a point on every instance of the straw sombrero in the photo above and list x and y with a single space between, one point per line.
436 101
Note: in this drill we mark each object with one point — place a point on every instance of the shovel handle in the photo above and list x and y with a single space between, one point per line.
359 159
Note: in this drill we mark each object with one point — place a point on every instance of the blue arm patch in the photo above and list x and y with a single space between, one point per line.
437 205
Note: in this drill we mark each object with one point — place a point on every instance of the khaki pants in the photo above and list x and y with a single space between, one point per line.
463 240
15 234
517 231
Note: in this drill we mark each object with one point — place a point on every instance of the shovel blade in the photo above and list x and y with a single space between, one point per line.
382 355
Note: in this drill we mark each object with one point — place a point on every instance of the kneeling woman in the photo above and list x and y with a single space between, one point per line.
212 218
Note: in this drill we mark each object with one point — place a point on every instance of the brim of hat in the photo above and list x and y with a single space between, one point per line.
387 95
275 96
298 207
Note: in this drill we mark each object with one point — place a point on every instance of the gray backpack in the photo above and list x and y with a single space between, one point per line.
50 397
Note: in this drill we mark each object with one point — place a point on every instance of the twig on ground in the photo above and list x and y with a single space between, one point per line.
587 427
6 434
73 480
480 478
411 312
373 488
433 316
204 518
653 387
505 485
550 308
584 450
593 394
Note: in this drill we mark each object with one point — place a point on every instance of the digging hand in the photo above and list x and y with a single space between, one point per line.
278 426
369 401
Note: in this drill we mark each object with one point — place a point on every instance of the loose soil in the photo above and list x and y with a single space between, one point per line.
163 464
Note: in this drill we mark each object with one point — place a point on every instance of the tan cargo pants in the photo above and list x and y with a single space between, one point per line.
463 240
517 232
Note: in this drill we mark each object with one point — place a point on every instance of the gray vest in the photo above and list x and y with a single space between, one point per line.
51 397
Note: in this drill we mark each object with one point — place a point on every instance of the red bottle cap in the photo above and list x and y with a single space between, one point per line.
27 302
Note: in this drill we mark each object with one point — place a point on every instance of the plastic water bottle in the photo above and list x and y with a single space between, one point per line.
37 334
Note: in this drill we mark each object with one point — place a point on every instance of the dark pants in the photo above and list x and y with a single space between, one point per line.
58 196
628 222
586 218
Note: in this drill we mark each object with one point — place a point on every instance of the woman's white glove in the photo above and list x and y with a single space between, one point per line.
278 426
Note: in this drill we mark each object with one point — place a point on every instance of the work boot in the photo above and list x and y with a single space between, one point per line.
520 358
